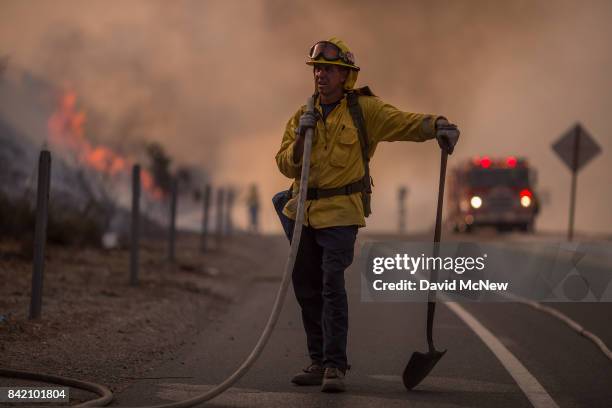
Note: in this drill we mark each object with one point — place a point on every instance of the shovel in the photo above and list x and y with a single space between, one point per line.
421 364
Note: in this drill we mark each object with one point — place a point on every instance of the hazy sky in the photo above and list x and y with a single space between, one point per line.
216 81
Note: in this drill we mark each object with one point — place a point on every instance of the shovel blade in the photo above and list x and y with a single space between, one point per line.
419 366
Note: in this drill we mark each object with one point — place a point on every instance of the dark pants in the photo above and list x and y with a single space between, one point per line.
318 282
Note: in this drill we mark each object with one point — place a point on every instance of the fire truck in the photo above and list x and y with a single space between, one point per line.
493 192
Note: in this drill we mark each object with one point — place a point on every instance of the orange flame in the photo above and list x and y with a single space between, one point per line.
67 129
146 179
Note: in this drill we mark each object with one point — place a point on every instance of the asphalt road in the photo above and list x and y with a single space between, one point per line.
571 370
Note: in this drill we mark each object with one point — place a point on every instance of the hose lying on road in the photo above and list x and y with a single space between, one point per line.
106 396
263 339
567 320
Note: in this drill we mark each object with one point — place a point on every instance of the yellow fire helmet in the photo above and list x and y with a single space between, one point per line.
335 52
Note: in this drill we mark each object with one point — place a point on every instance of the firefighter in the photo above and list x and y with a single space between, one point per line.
252 202
348 123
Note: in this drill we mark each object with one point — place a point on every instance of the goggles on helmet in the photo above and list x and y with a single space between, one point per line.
331 52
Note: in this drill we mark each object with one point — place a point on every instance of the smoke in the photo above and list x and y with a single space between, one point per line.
214 82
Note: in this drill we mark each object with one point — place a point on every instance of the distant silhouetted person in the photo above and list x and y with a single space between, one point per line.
253 208
402 192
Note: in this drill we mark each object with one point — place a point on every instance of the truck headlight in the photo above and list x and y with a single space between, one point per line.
476 202
525 201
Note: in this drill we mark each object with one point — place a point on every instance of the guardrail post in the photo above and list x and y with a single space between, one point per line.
172 232
135 237
229 204
40 232
205 217
219 215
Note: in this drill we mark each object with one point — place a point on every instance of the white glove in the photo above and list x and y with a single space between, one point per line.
308 120
447 135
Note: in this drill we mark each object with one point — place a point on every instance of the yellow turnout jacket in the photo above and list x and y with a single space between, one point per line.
336 156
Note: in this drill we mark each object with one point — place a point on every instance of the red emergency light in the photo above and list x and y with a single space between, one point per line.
485 162
511 161
525 193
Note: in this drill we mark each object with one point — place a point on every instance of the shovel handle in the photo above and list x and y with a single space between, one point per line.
431 303
438 231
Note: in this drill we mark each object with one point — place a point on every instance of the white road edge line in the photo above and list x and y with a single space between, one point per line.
530 386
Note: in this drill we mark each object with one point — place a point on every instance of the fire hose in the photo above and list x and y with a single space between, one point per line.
105 394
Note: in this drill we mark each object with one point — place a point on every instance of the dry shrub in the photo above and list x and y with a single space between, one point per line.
66 226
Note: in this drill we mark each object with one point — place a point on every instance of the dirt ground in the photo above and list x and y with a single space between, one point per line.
95 327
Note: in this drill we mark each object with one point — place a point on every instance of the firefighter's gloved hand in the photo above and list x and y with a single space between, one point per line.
447 135
308 120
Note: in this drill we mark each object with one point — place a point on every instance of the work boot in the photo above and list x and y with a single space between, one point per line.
333 380
311 375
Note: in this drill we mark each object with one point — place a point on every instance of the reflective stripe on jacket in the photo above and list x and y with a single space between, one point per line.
336 156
